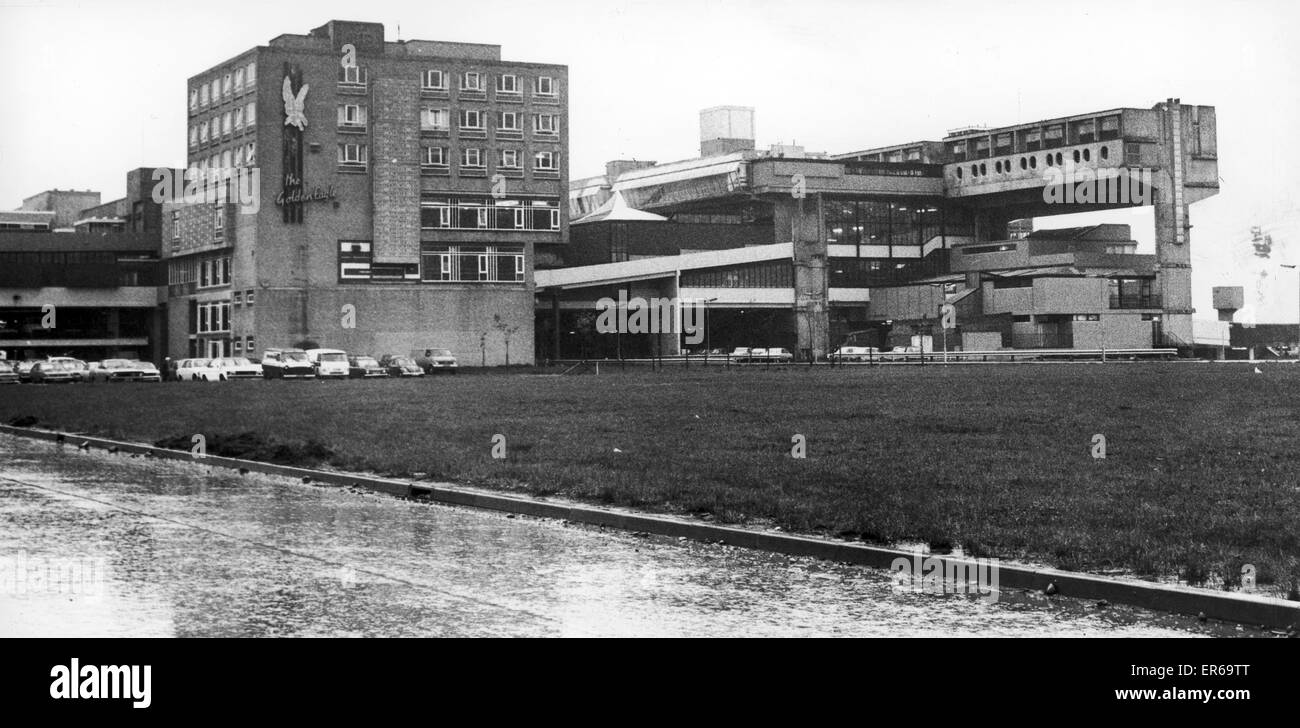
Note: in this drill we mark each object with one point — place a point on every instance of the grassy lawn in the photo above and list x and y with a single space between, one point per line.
1202 473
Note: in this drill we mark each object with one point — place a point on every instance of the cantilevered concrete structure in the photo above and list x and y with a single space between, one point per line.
861 223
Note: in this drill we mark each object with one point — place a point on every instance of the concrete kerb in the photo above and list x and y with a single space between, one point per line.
1253 609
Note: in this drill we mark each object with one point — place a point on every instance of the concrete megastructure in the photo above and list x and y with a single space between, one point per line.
402 192
880 240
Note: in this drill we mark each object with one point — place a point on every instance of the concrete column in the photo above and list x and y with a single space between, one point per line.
1173 241
803 218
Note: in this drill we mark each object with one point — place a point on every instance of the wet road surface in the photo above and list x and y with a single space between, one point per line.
96 544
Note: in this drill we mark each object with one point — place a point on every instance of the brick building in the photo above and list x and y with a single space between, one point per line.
402 192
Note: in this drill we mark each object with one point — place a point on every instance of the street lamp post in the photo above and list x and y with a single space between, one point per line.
1296 268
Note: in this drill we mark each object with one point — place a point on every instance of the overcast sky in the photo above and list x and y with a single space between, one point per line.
94 88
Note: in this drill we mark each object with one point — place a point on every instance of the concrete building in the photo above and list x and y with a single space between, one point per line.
65 204
403 191
879 239
91 288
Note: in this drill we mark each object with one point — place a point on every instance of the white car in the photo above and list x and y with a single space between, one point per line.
237 367
197 370
853 353
774 354
329 363
742 354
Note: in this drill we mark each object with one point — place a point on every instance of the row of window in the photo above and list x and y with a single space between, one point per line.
357 157
227 124
1050 159
207 273
241 155
1082 131
471 82
438 264
477 213
438 119
224 87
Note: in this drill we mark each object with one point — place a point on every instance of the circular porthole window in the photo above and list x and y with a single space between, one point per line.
974 170
1105 152
984 169
1059 158
1076 156
1033 162
959 173
997 167
1087 155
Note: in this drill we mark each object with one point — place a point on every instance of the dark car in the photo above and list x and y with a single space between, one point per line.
24 369
287 364
51 372
118 370
362 366
401 366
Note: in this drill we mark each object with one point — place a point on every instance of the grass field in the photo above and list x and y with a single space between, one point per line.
1202 473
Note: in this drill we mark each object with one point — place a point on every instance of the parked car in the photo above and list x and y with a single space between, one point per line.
853 353
8 372
362 366
236 367
50 372
80 369
149 371
287 364
401 366
329 363
24 369
775 355
117 370
435 360
741 354
197 370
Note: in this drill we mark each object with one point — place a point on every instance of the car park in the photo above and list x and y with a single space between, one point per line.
236 367
287 364
362 367
50 372
435 360
401 366
329 363
8 372
117 370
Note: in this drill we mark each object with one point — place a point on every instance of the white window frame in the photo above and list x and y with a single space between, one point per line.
465 155
478 116
239 79
550 121
510 164
442 157
203 94
514 84
501 121
555 218
194 99
428 86
356 111
362 156
239 118
549 82
354 76
226 86
252 73
203 132
250 113
519 268
427 123
537 161
519 218
476 86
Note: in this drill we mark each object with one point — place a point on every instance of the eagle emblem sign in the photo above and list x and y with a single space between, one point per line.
293 105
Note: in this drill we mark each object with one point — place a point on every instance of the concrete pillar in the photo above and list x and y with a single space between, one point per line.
802 217
1173 243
